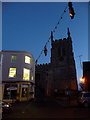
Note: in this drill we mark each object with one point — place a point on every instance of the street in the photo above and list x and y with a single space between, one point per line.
50 109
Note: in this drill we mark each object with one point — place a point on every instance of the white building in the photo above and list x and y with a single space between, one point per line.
18 75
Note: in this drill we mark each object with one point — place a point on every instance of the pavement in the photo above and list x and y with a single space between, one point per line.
47 108
66 101
62 101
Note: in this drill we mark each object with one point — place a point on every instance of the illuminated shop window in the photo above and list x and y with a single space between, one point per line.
12 72
27 59
13 58
26 74
24 92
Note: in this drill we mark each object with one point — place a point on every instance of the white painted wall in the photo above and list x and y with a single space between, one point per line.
19 64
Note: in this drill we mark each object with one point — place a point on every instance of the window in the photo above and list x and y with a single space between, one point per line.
24 92
32 78
27 59
26 74
1 58
12 72
13 58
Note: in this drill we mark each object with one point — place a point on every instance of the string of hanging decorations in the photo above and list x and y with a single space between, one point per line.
71 11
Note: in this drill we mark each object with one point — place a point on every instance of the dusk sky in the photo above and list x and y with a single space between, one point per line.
27 26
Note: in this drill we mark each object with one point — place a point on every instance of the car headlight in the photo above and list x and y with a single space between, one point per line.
6 105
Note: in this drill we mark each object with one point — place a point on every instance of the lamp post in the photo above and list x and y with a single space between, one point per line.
83 83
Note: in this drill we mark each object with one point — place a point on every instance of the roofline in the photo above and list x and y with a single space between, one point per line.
16 51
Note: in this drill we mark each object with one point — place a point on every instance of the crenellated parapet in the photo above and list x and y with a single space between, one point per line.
43 67
56 41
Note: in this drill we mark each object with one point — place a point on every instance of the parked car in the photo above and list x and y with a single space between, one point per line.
84 98
6 107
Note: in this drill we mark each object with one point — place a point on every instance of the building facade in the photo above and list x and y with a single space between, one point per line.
59 75
86 75
18 75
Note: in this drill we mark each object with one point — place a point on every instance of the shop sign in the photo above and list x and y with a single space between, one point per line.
25 86
12 88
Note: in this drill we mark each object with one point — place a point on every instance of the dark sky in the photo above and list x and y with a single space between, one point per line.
27 26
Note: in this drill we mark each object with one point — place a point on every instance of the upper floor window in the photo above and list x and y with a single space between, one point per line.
26 74
32 78
27 59
12 72
13 58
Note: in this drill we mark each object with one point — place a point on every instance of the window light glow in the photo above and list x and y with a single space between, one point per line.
12 72
26 74
27 59
32 78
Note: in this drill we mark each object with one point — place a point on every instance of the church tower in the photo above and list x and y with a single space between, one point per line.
61 49
60 74
62 60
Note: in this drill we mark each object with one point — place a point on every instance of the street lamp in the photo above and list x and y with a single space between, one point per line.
83 83
71 10
82 80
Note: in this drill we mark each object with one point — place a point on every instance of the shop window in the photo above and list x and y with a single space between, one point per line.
12 72
24 92
13 58
26 74
7 94
27 59
13 94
